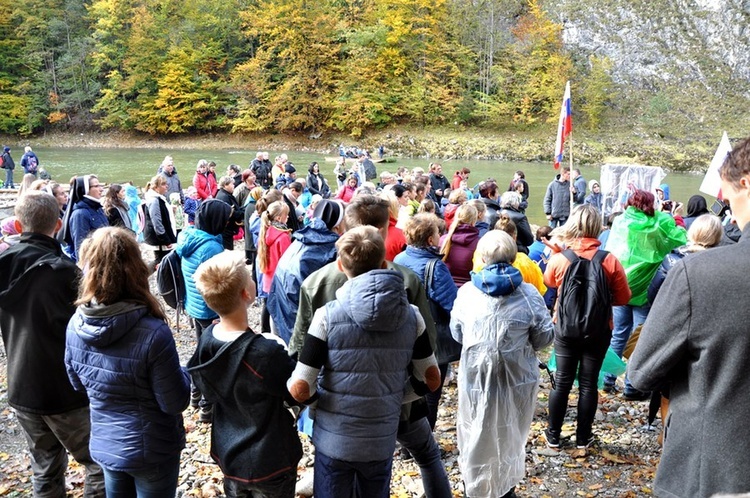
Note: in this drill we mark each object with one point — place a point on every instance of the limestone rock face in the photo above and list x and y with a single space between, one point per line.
656 42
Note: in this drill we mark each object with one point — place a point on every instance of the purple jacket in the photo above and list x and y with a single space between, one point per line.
460 257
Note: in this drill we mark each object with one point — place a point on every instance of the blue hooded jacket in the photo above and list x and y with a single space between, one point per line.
127 362
499 279
198 244
312 248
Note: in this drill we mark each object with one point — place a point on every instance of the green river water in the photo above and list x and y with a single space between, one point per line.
116 165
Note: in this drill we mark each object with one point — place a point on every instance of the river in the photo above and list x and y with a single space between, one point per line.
117 165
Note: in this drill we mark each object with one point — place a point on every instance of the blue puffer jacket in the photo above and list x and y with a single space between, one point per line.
443 290
87 216
194 246
312 248
127 362
371 331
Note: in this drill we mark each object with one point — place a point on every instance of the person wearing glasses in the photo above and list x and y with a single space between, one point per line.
84 213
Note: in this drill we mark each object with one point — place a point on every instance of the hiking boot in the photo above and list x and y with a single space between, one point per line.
551 440
636 395
585 443
206 414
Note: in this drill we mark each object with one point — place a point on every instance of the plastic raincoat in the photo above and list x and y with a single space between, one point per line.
640 242
500 321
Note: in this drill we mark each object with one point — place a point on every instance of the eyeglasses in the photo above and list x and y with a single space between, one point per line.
95 186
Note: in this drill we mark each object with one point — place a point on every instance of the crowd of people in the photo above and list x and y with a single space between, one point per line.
369 294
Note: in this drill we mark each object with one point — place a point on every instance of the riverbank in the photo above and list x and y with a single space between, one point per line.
537 145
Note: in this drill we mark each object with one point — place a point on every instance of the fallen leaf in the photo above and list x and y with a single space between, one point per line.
613 458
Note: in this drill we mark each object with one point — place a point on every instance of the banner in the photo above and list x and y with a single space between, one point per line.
619 181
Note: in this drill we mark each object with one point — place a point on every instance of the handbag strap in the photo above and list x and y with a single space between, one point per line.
429 275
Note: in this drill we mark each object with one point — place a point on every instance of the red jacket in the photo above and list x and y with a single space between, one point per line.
277 241
395 243
213 185
200 182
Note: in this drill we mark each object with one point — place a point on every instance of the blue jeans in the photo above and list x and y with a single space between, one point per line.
157 481
281 486
8 178
557 222
339 479
418 439
626 319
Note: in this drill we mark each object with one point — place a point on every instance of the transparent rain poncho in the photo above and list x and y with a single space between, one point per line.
497 384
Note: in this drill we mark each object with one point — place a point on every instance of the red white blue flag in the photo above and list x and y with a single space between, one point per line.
564 127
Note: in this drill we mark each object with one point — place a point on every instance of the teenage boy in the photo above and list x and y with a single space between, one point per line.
362 345
244 374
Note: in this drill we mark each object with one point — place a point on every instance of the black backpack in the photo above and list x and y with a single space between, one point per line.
584 304
170 283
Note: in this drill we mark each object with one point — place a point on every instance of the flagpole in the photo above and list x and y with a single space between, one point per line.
571 170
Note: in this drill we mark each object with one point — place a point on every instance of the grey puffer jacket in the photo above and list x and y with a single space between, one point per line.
557 199
371 333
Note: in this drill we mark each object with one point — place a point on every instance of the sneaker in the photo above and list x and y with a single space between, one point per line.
635 395
585 443
551 440
206 414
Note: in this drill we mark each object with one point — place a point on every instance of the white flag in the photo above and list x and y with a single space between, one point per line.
711 184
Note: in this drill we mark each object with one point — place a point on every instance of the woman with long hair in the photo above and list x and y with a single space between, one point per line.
581 357
316 183
639 239
83 214
115 207
458 245
121 351
159 230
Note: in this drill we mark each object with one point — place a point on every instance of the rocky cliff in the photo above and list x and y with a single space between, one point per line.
658 44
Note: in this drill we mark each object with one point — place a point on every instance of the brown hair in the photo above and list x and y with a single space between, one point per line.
114 271
419 228
505 224
737 164
368 210
360 250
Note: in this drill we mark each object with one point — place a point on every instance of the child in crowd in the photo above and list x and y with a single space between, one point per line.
192 201
253 439
372 337
179 215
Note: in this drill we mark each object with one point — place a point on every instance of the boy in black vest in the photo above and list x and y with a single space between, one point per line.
364 342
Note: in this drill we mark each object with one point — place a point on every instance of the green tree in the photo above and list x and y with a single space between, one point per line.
598 91
289 83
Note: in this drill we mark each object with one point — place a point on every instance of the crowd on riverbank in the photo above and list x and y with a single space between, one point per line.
475 267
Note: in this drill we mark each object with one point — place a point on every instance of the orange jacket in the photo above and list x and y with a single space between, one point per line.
586 248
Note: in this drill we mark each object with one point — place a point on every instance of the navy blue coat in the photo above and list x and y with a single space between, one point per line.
86 217
312 248
127 362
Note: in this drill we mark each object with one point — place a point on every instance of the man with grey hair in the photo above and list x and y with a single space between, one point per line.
38 288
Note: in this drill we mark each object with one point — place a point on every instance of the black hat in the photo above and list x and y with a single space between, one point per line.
329 212
290 168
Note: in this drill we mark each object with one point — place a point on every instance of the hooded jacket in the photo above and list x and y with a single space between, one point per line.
127 361
252 436
491 213
173 183
37 291
197 244
501 321
463 244
312 248
277 241
87 216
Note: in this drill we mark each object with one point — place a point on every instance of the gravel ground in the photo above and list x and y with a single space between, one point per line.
621 464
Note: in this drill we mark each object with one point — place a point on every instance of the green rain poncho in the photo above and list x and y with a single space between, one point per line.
640 242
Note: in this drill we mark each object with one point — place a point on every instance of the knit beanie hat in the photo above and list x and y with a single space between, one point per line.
290 169
329 212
